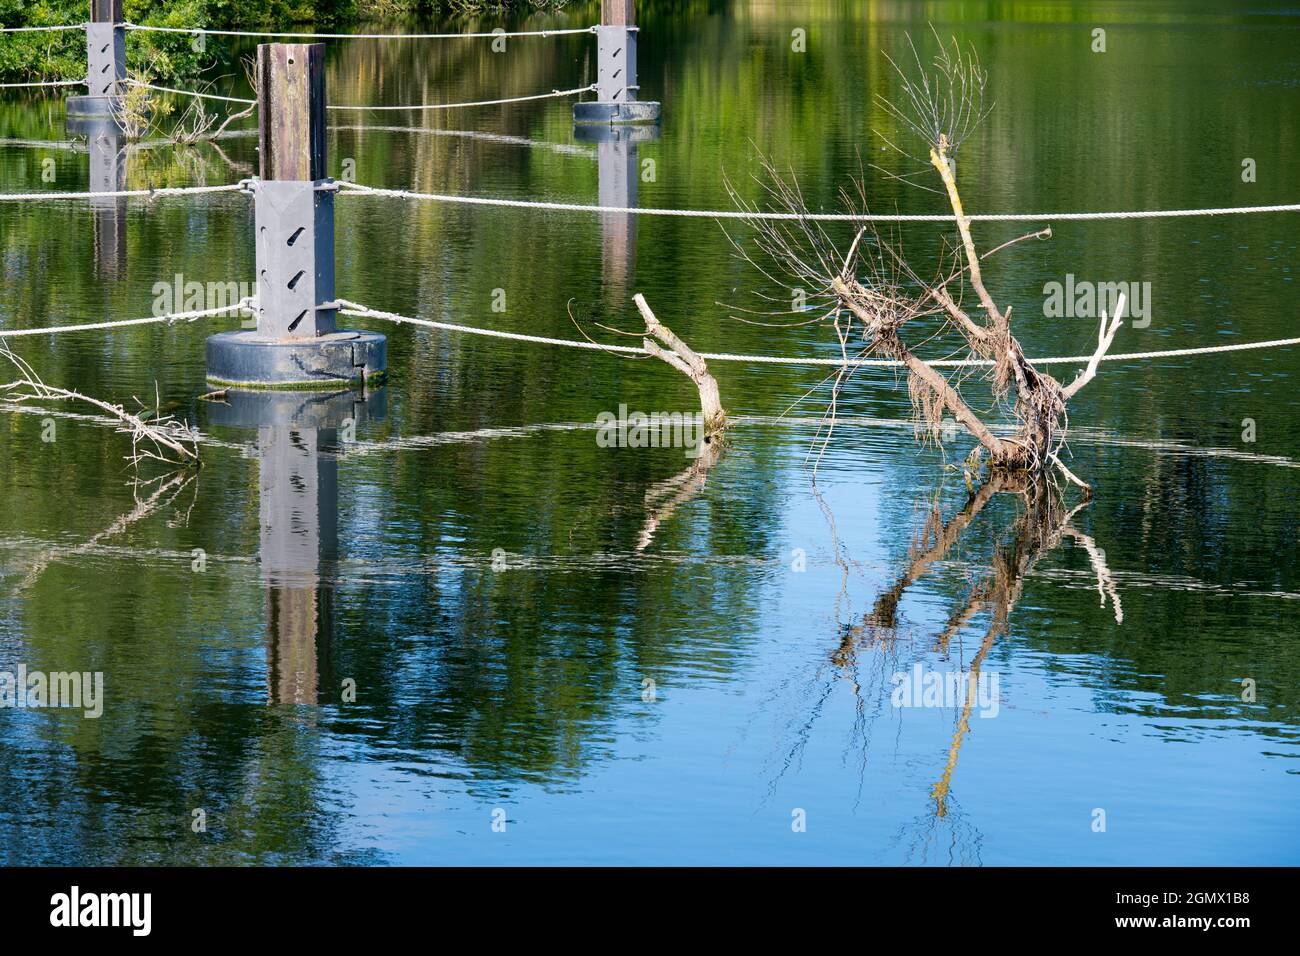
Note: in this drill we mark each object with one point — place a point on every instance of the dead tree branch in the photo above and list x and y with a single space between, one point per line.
683 358
875 283
151 438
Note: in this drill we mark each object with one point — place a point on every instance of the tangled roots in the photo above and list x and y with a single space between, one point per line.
927 408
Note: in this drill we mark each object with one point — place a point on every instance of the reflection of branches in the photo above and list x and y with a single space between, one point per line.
1042 520
662 499
1105 582
933 545
175 483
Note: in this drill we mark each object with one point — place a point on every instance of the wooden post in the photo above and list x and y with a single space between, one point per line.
295 344
295 217
291 110
618 13
105 11
105 48
616 101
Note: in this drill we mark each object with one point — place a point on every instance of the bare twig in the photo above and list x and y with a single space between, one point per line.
1105 336
150 439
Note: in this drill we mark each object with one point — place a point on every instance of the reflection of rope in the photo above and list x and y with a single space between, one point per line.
164 191
816 216
204 96
565 148
122 323
363 36
420 106
449 106
353 308
14 86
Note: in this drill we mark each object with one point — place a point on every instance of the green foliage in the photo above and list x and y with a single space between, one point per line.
46 56
42 56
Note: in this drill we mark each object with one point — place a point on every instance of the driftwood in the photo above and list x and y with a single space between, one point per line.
152 436
875 285
683 358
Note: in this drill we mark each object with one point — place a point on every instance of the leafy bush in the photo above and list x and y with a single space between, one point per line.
62 55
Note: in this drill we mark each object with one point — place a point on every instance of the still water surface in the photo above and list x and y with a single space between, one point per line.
770 620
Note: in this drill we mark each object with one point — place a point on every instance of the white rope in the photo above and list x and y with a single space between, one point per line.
49 29
353 308
813 217
364 36
14 86
123 323
150 193
452 106
204 96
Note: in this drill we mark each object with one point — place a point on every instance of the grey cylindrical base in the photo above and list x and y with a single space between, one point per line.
243 360
92 106
614 113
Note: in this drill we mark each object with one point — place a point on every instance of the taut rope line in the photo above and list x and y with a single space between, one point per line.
377 108
348 307
15 86
150 193
354 308
49 29
242 304
450 106
359 189
363 36
202 96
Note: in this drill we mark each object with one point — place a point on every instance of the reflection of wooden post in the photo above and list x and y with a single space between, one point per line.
297 444
108 174
617 160
618 176
299 512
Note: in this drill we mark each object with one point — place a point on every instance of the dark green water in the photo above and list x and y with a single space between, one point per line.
522 689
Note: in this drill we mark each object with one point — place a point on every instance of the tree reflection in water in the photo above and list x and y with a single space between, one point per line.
867 653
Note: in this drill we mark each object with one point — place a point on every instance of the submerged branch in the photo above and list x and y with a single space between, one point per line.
683 358
150 438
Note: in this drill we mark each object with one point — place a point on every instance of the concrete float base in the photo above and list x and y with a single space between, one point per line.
616 113
337 359
92 107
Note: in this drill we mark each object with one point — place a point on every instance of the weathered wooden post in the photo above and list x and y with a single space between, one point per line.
296 344
105 61
616 84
